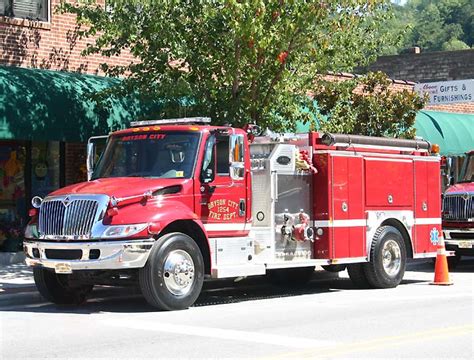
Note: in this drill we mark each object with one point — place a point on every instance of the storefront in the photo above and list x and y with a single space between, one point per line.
453 132
46 118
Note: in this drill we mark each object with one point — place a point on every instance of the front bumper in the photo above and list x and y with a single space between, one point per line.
460 240
106 255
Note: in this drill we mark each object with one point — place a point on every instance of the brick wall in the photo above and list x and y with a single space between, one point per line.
466 108
51 45
427 67
397 85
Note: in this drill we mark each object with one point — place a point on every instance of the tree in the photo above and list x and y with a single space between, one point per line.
433 25
234 60
366 105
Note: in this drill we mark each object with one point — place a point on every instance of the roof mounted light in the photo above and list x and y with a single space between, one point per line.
178 121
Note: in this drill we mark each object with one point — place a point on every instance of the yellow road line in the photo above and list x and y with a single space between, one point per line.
383 342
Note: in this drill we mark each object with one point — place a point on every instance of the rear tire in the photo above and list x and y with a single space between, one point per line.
57 288
174 273
357 275
388 258
293 277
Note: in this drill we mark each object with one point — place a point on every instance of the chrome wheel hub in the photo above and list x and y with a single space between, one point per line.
178 272
391 257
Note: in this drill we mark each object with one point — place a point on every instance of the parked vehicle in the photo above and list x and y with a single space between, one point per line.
458 212
171 202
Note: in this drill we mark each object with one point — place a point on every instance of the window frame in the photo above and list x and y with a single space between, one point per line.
12 16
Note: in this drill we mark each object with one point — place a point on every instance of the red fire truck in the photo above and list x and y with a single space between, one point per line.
458 213
171 202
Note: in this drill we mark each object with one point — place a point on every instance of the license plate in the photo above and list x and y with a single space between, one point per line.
63 269
465 244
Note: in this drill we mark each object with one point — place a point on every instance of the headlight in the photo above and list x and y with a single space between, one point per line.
31 231
118 231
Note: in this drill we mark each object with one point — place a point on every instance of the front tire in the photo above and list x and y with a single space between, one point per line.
174 273
58 289
388 258
357 275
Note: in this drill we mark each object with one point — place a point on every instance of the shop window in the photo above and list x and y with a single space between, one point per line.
25 9
45 167
12 195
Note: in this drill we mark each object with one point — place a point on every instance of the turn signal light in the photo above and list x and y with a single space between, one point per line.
435 149
154 228
32 212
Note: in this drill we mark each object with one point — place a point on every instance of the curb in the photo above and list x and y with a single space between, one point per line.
9 258
19 297
17 290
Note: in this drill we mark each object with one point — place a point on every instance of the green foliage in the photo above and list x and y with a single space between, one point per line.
234 60
433 25
366 106
454 44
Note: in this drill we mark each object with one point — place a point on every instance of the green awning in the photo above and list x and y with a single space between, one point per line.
43 105
453 132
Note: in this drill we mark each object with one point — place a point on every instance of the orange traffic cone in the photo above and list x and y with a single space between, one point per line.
441 267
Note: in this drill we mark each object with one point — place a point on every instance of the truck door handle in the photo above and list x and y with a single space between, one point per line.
242 207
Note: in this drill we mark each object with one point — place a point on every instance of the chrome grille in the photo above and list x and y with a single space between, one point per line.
75 218
458 207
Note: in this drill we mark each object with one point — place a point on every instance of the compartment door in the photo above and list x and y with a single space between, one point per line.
427 206
347 207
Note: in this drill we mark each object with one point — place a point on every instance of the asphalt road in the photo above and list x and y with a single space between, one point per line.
252 319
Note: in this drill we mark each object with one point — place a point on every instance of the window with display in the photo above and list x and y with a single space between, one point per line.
12 195
45 167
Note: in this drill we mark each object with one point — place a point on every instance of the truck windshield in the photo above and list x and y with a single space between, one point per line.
160 155
467 173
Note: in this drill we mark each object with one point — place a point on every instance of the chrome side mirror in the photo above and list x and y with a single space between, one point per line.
95 143
449 167
90 160
237 171
236 157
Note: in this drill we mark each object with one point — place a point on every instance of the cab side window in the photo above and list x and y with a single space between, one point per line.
222 152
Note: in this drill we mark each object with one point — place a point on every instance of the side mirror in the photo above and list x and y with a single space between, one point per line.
236 157
237 170
95 146
449 167
207 175
90 160
207 172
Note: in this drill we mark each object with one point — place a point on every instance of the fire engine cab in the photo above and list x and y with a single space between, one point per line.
171 202
458 212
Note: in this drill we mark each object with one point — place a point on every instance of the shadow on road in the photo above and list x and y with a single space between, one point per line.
465 265
217 292
129 300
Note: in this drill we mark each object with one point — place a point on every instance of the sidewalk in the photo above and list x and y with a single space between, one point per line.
16 278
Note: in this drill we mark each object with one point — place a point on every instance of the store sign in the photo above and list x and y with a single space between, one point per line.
447 92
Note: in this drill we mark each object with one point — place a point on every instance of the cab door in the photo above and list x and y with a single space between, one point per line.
222 189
